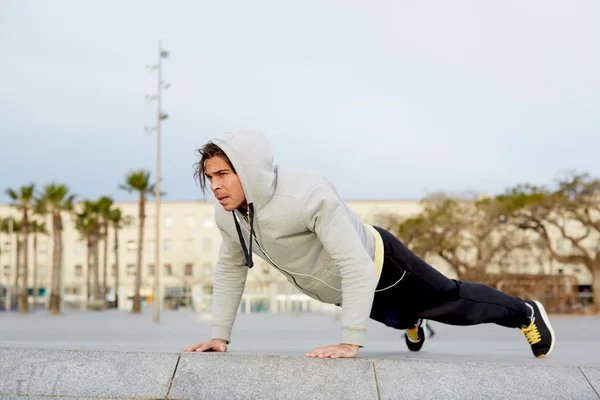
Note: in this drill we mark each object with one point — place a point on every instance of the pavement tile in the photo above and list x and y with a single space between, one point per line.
85 373
226 376
446 380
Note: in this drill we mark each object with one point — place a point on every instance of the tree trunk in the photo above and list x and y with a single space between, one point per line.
57 249
2 250
24 303
137 301
104 270
96 247
595 270
16 282
35 270
117 269
90 270
455 266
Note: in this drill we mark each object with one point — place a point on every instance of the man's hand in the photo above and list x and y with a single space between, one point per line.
335 351
219 345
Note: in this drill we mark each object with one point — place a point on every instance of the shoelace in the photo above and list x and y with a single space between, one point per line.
413 334
532 334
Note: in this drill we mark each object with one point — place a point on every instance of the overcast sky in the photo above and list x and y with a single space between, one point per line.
388 99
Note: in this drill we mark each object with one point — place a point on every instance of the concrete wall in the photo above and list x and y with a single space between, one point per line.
111 375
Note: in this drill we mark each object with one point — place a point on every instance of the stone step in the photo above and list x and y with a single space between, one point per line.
150 375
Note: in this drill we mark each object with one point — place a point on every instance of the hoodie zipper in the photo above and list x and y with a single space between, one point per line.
273 262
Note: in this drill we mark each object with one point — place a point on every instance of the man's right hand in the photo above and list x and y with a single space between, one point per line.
212 345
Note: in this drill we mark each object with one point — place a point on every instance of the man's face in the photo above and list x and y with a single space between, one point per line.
225 184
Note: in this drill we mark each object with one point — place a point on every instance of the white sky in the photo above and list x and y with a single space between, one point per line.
388 99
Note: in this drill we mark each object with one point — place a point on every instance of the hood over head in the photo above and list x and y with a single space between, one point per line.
252 157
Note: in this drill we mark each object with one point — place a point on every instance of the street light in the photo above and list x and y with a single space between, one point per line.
157 302
8 298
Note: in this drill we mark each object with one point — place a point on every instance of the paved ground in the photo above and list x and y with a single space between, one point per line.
578 342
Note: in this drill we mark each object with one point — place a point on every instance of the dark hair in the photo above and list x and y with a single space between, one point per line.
208 151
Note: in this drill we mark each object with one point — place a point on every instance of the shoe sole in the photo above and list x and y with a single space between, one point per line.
547 322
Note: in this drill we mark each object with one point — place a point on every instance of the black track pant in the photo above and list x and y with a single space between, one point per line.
417 290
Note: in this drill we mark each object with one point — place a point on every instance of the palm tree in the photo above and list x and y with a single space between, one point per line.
37 228
16 227
22 200
118 222
88 224
139 181
55 200
104 209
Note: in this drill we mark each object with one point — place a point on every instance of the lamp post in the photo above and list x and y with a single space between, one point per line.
8 299
157 301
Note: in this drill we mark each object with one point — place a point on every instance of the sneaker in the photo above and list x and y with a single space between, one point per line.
415 337
539 333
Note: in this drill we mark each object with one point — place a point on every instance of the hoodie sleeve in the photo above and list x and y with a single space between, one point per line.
228 287
325 214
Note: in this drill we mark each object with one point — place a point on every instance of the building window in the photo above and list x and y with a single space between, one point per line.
190 221
7 247
43 247
6 270
150 269
131 245
188 244
168 270
150 222
206 243
130 269
113 270
207 223
151 245
43 271
189 269
71 290
167 245
206 268
168 221
78 270
78 247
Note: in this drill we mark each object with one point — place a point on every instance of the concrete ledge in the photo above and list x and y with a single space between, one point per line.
85 373
227 376
59 374
451 380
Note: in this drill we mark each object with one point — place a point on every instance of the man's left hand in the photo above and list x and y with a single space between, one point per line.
335 351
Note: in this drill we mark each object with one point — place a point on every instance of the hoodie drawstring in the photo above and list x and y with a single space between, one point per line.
251 212
247 254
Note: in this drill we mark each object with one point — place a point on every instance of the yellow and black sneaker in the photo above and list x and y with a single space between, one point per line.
415 337
539 333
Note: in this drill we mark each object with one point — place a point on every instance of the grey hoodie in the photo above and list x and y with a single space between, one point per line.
302 228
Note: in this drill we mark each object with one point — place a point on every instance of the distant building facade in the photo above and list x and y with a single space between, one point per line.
189 248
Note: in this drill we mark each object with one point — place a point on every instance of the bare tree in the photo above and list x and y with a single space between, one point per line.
569 213
469 234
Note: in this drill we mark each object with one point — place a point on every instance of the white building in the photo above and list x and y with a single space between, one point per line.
188 247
